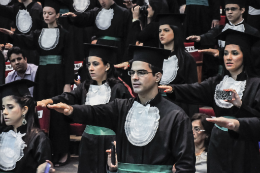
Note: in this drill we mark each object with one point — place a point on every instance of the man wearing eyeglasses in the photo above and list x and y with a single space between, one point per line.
152 133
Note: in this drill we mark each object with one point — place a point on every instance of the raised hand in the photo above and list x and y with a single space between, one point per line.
62 108
6 31
231 124
69 14
123 65
194 38
44 103
214 52
236 101
166 88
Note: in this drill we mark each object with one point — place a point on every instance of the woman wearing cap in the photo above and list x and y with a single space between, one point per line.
23 145
104 87
55 72
234 140
180 67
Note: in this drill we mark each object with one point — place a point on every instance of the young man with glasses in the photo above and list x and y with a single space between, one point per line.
152 133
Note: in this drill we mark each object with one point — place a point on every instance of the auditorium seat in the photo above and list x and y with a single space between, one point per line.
207 110
44 118
222 20
8 68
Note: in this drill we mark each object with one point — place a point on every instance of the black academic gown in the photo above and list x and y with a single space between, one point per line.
253 20
119 27
78 35
186 74
230 151
51 79
172 143
199 18
2 67
92 156
35 11
149 36
38 150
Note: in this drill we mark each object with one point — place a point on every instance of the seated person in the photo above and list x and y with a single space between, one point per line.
24 146
22 70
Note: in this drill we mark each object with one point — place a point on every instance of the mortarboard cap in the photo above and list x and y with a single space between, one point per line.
107 53
52 3
171 19
16 88
241 3
242 39
151 55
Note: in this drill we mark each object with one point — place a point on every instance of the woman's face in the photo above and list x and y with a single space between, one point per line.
49 15
97 69
12 112
233 58
150 11
199 136
166 34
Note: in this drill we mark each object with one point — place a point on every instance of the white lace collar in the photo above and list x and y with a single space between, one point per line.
5 2
227 83
141 124
49 38
98 94
23 21
170 70
81 5
104 18
11 149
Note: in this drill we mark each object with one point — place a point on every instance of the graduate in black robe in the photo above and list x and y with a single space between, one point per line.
180 67
38 148
92 157
55 72
148 33
160 137
230 151
200 16
110 25
27 19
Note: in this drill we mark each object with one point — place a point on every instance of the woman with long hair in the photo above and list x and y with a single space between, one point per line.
103 87
180 67
23 145
234 96
55 72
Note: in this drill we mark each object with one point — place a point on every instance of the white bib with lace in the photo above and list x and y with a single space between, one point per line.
49 38
141 124
229 83
81 5
170 69
11 149
104 18
5 2
98 94
23 21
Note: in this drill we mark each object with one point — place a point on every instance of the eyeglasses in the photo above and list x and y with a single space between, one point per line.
197 129
140 73
232 9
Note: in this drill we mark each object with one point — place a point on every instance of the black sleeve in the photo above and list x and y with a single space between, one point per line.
183 146
135 29
197 93
27 41
71 98
122 91
215 9
105 115
68 57
208 39
7 11
84 19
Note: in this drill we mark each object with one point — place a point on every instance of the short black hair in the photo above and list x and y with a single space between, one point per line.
155 69
15 50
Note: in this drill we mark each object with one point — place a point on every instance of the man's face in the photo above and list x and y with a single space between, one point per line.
106 3
144 82
18 62
234 13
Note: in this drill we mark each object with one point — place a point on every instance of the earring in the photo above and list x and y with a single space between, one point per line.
24 122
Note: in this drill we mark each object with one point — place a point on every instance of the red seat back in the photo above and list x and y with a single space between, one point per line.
44 118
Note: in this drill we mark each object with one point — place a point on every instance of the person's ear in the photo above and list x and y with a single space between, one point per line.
25 59
25 110
243 10
107 66
158 77
57 15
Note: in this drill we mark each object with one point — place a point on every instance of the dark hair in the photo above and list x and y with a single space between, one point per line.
31 116
156 6
206 125
247 62
15 50
179 47
155 69
112 76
